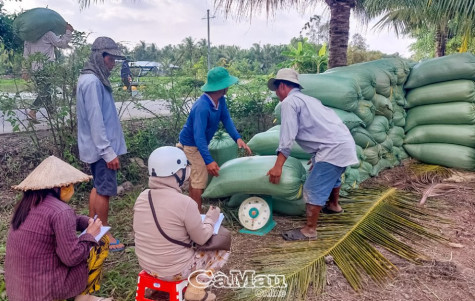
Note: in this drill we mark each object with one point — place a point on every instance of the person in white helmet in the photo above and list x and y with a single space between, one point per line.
179 218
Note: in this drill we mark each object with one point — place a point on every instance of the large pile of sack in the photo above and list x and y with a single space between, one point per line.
441 111
370 98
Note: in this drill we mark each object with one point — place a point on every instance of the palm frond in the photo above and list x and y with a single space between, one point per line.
426 173
387 218
438 189
249 8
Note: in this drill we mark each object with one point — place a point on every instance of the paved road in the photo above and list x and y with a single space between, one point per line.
127 110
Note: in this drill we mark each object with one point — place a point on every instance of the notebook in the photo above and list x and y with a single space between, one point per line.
218 223
98 237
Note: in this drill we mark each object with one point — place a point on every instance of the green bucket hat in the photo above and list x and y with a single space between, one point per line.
218 79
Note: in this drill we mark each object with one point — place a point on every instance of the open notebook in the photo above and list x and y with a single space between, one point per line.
98 237
218 223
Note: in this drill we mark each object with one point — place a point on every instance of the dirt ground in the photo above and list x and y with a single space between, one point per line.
449 276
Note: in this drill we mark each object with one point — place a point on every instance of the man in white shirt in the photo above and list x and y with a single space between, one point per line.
44 46
320 132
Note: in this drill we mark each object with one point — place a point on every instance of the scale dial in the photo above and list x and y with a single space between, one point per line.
254 213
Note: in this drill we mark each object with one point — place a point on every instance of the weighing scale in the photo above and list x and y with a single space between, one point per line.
255 215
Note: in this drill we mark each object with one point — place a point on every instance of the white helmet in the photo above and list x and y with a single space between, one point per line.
165 161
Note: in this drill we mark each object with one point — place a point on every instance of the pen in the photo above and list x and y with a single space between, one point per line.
95 217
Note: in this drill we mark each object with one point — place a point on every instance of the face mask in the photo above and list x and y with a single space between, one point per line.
66 193
183 177
188 172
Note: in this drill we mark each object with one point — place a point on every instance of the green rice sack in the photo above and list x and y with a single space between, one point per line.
222 147
449 155
32 24
442 69
249 175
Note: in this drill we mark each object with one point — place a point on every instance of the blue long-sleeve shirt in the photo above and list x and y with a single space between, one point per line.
100 134
203 122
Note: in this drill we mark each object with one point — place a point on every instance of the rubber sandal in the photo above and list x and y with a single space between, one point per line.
117 242
296 235
329 211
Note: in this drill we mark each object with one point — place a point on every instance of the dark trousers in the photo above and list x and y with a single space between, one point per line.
43 86
127 83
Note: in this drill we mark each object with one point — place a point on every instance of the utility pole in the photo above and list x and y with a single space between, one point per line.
209 49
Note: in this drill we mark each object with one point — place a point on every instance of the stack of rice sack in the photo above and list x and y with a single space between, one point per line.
440 127
368 97
373 91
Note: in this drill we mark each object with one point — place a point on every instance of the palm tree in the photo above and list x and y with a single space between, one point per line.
464 10
340 15
189 47
405 20
339 20
406 16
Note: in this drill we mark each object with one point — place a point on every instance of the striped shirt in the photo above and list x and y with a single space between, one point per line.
45 259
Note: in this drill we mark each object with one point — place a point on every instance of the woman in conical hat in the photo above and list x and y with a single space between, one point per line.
45 258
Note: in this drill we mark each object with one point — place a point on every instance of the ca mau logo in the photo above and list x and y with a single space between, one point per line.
237 279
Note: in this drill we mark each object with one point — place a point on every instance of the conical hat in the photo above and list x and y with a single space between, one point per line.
52 172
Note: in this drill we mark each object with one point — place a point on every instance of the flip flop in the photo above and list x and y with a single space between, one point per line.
117 242
296 235
329 211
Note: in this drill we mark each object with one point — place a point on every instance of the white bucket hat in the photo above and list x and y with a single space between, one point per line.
51 173
286 74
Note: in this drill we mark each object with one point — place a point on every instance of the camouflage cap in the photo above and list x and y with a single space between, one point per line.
108 46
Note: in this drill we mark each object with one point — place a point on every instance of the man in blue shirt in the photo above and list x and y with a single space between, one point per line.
202 124
320 132
100 137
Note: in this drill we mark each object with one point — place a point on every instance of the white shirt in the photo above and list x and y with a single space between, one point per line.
46 45
317 129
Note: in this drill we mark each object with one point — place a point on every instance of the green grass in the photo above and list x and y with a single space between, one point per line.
12 85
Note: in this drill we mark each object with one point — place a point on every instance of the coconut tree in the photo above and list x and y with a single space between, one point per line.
406 20
340 11
406 16
465 13
340 15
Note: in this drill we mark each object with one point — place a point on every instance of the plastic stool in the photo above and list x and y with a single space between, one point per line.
175 289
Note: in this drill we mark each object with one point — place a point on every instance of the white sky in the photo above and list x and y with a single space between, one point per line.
166 22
